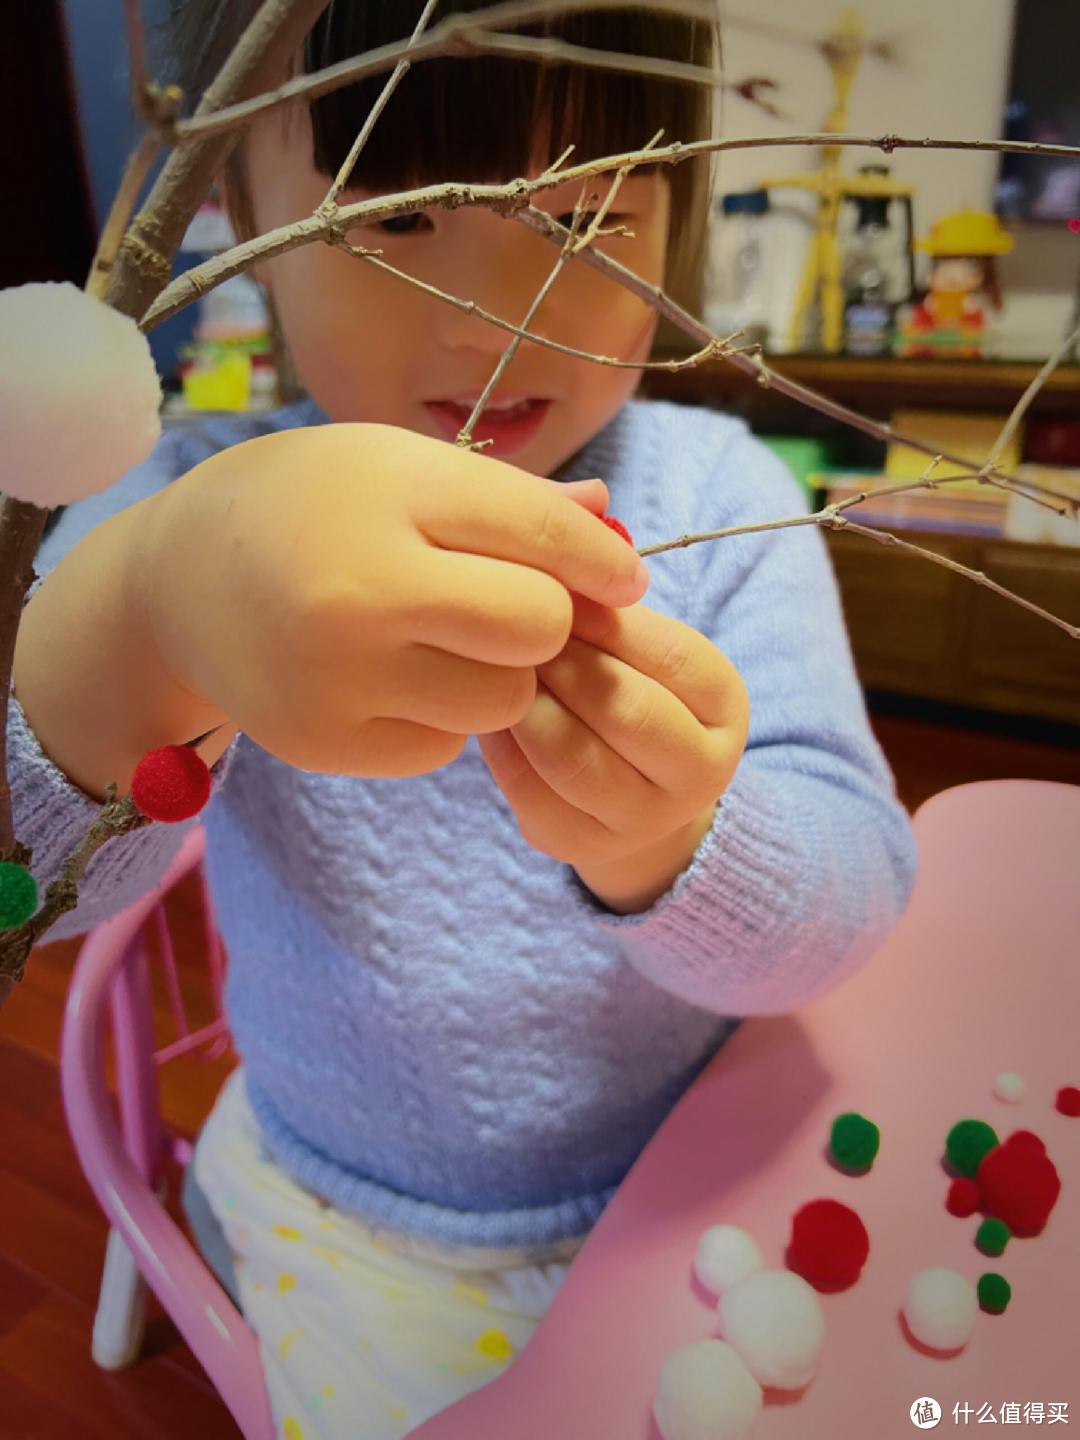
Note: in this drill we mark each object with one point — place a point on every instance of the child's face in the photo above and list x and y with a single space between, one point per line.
370 347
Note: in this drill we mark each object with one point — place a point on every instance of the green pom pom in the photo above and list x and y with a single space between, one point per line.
967 1142
854 1141
992 1237
995 1292
18 895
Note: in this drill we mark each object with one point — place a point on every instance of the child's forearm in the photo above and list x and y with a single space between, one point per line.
87 673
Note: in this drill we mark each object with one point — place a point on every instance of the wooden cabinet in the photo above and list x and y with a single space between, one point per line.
918 629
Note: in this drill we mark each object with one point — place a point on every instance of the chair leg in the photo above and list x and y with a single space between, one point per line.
121 1311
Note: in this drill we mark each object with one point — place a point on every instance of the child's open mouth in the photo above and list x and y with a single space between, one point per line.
506 421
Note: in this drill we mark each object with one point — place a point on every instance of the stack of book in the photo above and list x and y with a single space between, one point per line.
959 509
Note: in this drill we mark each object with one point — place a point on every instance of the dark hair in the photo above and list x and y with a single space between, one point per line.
487 104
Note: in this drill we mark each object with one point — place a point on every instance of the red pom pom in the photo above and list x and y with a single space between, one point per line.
1068 1101
171 784
618 527
1026 1140
829 1243
963 1197
1019 1185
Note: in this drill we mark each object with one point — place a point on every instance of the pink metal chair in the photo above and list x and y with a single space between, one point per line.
124 1163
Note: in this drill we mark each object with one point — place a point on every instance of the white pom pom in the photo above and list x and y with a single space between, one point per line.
1008 1087
705 1392
79 394
940 1309
773 1318
725 1253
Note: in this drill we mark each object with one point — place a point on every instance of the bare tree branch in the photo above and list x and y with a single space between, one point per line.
442 39
1008 430
329 205
144 259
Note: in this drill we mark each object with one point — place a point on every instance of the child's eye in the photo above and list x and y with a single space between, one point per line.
413 224
588 217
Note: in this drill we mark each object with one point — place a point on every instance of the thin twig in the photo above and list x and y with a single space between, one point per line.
470 307
464 435
751 363
141 102
123 203
550 51
1009 428
329 205
442 39
832 520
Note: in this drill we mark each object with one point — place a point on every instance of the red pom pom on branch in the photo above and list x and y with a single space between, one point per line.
1068 1101
617 526
171 784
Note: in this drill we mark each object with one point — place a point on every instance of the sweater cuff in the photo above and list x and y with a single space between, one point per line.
732 907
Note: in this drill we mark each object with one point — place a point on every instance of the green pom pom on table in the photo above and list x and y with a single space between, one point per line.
992 1236
854 1141
966 1144
18 895
995 1292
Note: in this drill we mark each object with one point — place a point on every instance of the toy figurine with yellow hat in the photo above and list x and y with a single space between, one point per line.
950 319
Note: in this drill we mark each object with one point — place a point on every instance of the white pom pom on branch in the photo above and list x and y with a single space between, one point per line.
79 395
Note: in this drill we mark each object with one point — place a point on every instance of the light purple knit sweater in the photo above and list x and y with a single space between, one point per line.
442 1028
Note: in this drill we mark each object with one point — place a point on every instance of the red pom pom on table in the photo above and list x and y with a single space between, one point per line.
829 1243
1019 1184
171 784
1027 1141
1068 1101
963 1197
617 526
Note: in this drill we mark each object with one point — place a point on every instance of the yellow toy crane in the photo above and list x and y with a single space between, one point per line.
844 50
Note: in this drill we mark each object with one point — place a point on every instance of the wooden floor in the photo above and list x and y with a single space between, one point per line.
52 1236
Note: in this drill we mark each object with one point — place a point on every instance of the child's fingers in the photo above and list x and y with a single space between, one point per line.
509 515
485 609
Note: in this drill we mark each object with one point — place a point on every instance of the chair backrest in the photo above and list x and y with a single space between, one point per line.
111 967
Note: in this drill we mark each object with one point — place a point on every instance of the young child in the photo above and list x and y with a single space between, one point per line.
500 854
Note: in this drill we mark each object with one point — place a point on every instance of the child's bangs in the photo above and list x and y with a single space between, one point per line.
487 118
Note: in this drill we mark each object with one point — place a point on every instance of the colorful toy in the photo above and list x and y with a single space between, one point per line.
950 320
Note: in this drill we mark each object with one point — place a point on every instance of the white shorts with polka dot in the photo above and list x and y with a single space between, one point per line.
363 1331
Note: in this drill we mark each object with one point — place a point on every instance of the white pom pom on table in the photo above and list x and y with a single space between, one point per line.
705 1392
941 1308
1008 1087
725 1253
773 1318
79 395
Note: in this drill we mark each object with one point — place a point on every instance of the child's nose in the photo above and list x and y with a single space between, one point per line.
503 282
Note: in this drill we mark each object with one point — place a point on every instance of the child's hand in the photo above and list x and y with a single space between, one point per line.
635 733
359 599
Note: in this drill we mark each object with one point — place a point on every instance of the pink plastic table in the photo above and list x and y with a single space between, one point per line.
982 975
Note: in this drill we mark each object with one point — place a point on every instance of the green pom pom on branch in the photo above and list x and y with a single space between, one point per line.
966 1144
18 895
